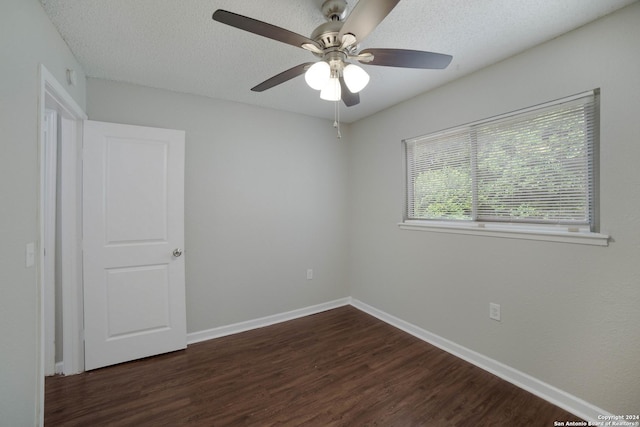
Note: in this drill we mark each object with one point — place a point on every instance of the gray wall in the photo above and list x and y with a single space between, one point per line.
270 194
570 313
265 199
27 38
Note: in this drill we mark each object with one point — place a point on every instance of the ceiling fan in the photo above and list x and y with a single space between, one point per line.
336 43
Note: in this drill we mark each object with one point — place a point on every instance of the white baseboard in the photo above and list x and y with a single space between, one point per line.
552 394
59 368
235 328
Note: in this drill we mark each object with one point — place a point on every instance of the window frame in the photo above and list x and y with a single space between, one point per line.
580 234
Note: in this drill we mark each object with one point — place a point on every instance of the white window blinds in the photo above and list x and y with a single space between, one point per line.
532 166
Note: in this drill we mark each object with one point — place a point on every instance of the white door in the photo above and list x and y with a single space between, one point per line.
133 232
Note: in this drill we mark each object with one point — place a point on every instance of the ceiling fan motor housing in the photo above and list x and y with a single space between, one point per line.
327 34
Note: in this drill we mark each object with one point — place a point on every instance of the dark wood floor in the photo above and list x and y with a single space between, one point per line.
337 368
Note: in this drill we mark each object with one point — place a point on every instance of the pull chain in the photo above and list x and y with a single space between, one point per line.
336 117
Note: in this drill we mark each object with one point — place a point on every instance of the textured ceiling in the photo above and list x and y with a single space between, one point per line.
175 45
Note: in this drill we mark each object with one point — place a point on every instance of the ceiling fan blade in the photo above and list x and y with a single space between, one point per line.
282 77
349 99
262 28
365 16
407 58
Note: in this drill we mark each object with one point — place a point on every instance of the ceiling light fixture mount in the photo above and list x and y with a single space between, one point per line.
334 10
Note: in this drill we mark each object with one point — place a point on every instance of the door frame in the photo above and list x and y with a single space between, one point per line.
48 202
52 95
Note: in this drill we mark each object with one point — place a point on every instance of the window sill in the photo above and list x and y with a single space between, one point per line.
510 231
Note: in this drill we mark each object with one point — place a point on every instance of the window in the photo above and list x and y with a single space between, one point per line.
531 171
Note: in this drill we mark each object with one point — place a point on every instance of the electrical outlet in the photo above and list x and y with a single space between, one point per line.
309 274
494 311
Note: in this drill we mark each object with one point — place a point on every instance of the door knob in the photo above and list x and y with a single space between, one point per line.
177 252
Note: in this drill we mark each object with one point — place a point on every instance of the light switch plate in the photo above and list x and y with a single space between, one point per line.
30 255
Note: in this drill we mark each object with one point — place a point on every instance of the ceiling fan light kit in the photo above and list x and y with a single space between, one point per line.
355 77
325 77
335 42
317 76
332 90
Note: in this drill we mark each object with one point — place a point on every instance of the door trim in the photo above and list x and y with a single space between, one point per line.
48 241
53 95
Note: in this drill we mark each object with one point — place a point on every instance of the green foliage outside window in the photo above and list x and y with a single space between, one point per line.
534 168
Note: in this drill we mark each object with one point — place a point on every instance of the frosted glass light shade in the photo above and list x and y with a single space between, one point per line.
318 75
332 90
355 78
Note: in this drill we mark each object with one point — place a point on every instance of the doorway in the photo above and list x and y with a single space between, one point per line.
60 129
155 281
